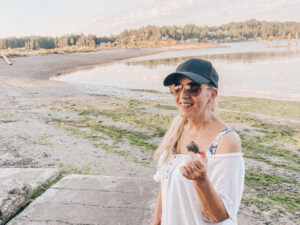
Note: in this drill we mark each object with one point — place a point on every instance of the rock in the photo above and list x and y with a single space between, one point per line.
193 147
13 195
17 186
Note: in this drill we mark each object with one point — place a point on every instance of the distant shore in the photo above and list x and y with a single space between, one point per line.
22 52
42 67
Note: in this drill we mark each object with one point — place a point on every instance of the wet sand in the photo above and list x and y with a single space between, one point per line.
41 67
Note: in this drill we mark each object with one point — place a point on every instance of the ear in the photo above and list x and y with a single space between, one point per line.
214 93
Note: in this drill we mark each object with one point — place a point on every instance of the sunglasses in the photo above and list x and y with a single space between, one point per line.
192 89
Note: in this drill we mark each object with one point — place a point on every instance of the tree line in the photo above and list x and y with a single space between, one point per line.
235 31
37 42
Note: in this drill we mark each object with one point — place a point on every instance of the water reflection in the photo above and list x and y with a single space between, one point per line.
244 57
83 69
259 72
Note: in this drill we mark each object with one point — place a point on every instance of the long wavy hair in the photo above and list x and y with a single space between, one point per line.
171 138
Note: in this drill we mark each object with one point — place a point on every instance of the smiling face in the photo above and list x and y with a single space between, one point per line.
191 107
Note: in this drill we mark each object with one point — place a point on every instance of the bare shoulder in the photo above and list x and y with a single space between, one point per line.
229 143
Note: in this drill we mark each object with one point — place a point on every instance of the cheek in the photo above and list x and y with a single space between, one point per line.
200 103
176 99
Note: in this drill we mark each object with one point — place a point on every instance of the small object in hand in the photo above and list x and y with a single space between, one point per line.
193 147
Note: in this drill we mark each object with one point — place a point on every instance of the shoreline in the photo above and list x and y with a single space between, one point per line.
37 68
42 67
15 53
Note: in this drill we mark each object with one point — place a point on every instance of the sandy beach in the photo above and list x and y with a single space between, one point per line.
41 67
52 124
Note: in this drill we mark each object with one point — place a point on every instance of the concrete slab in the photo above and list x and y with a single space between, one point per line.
82 199
17 186
33 176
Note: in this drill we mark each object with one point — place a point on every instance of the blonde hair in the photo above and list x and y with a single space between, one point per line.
171 138
212 101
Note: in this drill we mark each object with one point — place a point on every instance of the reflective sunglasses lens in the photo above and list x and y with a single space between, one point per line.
175 89
193 89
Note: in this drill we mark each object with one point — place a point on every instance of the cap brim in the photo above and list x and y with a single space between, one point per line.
172 78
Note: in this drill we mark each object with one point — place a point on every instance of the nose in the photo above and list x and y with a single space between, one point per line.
184 94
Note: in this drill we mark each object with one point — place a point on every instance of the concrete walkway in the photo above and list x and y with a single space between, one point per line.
81 199
78 199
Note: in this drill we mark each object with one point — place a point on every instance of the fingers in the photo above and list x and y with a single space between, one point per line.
188 169
199 164
192 165
187 172
198 160
195 168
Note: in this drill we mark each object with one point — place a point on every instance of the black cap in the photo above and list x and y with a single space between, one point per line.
198 70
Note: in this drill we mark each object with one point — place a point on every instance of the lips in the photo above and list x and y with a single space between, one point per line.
186 104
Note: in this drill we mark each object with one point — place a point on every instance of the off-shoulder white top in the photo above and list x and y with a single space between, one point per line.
180 203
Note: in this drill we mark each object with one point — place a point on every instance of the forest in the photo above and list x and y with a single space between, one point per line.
159 35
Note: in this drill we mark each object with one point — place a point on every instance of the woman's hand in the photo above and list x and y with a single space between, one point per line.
195 168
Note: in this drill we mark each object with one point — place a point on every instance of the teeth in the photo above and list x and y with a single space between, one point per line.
186 105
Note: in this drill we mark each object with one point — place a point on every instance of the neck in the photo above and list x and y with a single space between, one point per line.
200 122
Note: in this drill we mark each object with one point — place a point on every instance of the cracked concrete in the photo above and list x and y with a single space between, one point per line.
85 199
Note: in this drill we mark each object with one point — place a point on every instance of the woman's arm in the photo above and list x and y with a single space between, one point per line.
158 209
212 205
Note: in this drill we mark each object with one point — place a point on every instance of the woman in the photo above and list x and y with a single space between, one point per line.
204 187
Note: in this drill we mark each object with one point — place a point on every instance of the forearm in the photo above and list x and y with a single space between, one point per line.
212 205
158 210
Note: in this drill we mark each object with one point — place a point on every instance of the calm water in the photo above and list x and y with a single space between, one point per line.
248 69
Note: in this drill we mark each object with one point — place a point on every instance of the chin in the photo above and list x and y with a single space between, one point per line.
183 114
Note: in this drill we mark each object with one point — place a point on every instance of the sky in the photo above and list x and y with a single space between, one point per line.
105 17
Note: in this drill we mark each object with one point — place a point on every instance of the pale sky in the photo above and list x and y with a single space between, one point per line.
105 17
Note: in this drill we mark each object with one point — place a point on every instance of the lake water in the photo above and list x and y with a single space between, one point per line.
248 69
